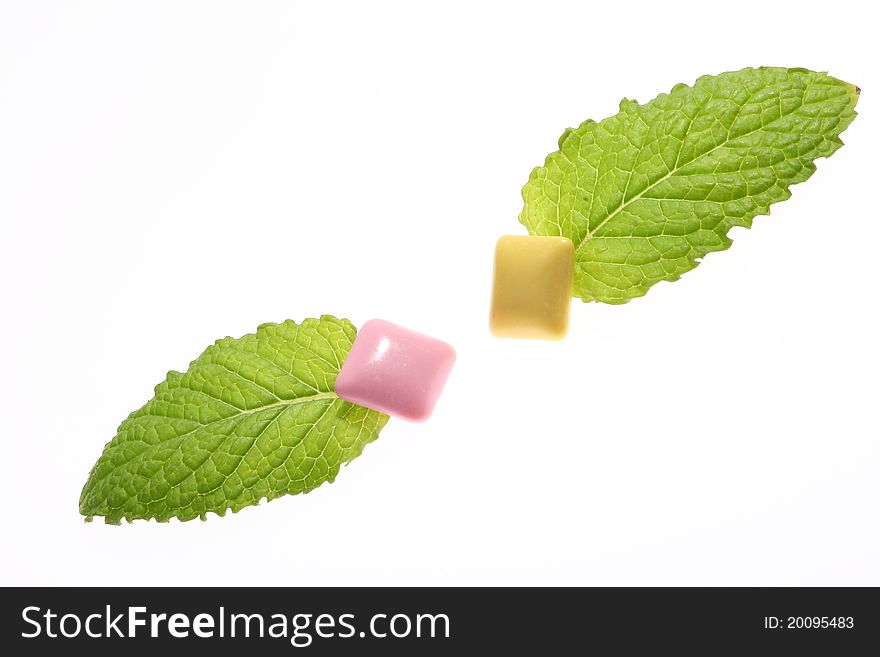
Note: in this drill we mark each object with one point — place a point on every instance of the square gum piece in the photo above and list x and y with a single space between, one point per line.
394 370
531 291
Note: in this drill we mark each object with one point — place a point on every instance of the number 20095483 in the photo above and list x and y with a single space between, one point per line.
809 622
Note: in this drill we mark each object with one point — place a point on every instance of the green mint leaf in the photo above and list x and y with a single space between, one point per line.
645 194
251 418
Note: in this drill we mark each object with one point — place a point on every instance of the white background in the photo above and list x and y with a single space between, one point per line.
171 173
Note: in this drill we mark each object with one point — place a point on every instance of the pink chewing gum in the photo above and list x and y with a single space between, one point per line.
395 371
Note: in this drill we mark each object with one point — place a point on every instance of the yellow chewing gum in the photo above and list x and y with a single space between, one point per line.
531 291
